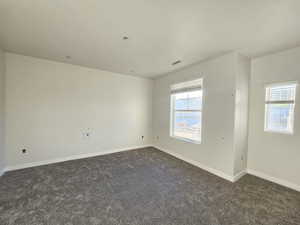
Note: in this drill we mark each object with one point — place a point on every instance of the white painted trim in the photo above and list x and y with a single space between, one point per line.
193 162
198 164
239 175
68 158
274 179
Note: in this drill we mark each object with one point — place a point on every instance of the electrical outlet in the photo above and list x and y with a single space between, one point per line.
87 133
24 151
143 137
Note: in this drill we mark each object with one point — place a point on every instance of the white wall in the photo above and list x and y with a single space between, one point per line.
50 105
2 117
243 69
216 150
271 154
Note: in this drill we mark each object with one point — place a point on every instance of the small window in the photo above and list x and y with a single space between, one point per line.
186 110
279 108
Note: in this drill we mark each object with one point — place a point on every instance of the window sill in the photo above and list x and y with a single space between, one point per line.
186 140
279 132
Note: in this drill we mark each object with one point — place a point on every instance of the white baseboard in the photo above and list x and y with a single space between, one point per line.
274 179
68 158
235 177
193 162
200 165
239 175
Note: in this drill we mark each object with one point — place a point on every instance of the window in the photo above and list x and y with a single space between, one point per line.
279 107
186 110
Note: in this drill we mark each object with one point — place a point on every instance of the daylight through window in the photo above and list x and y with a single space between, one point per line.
186 110
279 108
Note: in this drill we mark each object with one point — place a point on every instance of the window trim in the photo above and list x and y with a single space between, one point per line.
172 116
266 103
284 83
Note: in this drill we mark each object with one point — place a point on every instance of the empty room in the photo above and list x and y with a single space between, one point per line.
146 112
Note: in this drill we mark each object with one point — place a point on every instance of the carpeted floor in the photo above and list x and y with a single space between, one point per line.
140 187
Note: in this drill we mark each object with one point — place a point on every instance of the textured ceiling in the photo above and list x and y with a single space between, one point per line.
160 32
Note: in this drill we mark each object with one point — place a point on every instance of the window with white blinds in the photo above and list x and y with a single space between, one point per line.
186 110
279 107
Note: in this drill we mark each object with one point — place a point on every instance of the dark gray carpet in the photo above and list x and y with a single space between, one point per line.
140 187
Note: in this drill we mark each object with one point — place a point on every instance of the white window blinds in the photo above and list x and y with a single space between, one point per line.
186 110
279 107
187 86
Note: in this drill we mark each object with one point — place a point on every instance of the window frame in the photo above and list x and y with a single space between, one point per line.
173 111
287 102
